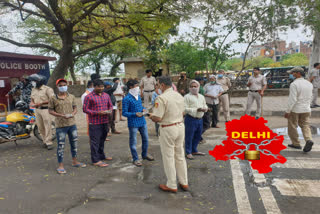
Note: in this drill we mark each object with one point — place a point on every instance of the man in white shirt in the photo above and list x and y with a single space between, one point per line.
89 89
118 94
298 110
257 83
195 106
212 92
314 78
224 99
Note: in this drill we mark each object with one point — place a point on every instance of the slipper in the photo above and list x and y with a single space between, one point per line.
107 139
61 171
101 164
81 165
137 163
198 153
190 157
108 158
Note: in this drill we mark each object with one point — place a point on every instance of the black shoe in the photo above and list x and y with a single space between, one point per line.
308 146
257 118
313 106
295 147
49 147
148 157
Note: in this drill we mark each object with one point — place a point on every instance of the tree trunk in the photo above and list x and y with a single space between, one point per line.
113 71
315 55
73 75
65 59
97 66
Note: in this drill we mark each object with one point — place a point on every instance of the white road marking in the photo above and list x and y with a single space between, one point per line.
268 200
299 163
239 186
295 187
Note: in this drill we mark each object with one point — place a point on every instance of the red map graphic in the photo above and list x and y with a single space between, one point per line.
269 154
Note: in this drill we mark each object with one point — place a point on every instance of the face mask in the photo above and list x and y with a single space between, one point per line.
135 92
182 77
63 88
220 75
213 82
38 84
34 84
159 91
194 91
90 89
291 77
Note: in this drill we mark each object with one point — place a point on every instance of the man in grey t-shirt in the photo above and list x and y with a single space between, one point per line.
314 78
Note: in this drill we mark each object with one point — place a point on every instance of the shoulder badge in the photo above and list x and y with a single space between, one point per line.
156 105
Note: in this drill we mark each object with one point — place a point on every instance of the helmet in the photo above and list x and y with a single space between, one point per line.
21 105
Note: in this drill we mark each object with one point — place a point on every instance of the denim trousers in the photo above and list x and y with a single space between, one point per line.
72 133
133 141
193 132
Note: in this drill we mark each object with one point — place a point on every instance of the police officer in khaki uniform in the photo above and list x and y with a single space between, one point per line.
224 98
257 84
168 112
40 96
147 86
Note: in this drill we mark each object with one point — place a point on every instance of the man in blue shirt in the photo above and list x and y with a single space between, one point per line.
132 109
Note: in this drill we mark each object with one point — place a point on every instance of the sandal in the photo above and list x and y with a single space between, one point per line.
199 153
190 157
137 163
61 171
108 158
80 165
101 164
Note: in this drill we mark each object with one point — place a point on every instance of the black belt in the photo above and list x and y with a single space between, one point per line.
254 91
194 117
43 107
149 91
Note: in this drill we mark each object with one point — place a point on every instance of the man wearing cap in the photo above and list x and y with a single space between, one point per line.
63 107
213 91
257 84
298 110
315 80
25 86
147 86
168 112
40 96
183 84
195 106
224 98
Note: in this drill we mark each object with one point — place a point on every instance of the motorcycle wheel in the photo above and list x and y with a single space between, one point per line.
37 134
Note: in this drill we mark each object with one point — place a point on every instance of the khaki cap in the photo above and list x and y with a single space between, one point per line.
296 69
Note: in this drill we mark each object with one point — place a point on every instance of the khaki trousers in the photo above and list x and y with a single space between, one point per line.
314 96
173 156
44 123
224 103
301 119
253 96
147 96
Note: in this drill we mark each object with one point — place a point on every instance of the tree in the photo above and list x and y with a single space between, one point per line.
73 28
298 59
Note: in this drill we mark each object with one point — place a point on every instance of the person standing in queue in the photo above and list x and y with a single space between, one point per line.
97 105
40 96
183 84
168 112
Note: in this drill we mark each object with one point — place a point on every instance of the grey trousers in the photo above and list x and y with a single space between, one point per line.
253 96
147 96
314 96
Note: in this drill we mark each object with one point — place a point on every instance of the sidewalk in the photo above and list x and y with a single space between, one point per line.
272 106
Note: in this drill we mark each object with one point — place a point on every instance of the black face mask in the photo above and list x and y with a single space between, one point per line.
182 77
38 84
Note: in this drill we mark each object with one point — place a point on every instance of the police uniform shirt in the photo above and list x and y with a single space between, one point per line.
169 106
257 83
224 82
42 94
148 83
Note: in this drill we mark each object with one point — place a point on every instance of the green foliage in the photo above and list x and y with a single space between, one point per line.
295 60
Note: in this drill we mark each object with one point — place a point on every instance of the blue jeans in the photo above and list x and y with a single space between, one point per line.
133 141
193 130
61 138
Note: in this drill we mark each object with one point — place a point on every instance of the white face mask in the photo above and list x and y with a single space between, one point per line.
90 89
33 83
63 88
135 92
